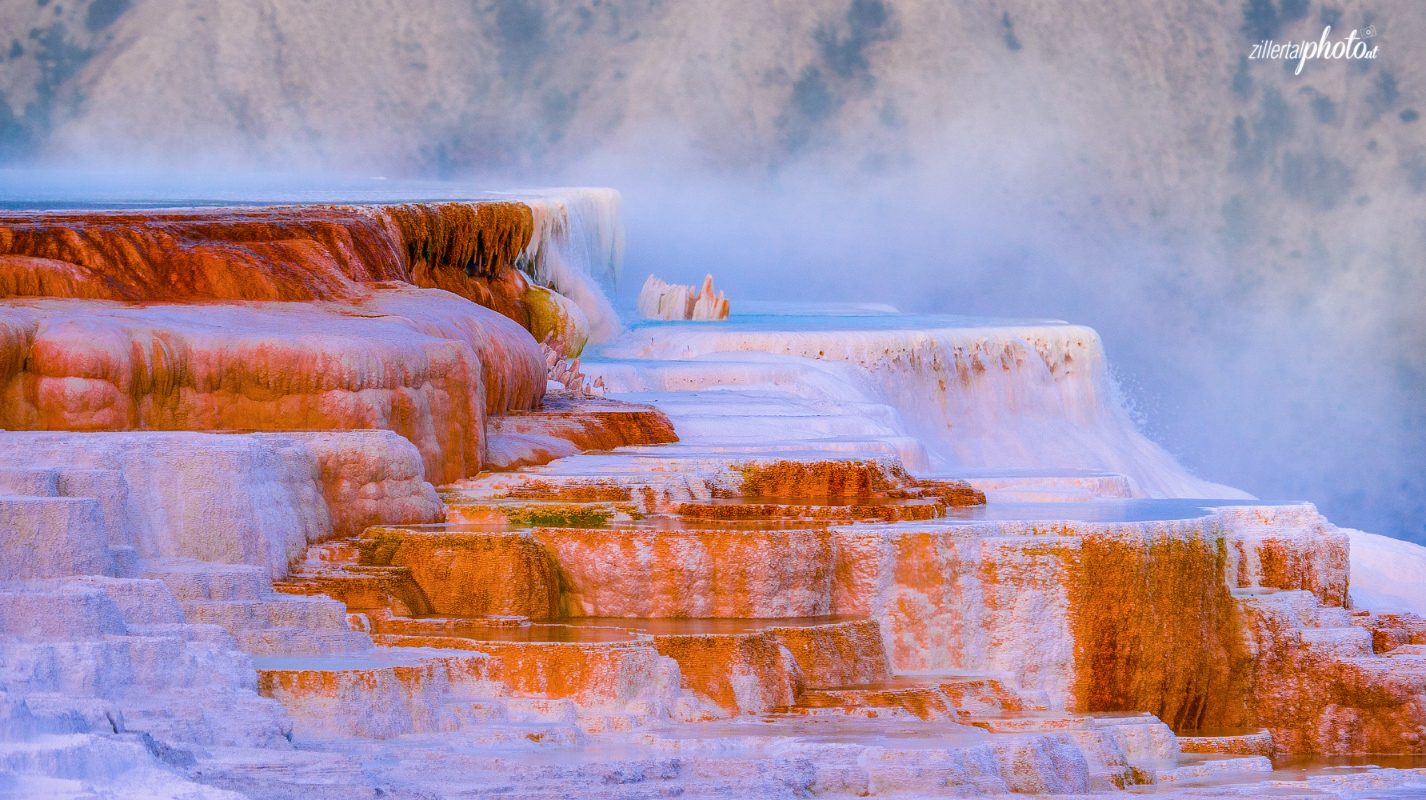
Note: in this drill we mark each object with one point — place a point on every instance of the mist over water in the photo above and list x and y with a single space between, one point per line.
1287 394
1249 243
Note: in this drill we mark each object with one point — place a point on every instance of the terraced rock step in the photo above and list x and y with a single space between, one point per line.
611 593
542 513
737 665
1246 743
740 666
861 757
362 589
1320 647
612 685
1390 630
1288 548
661 480
544 573
776 757
107 656
669 566
481 586
430 683
1211 768
877 702
765 667
953 697
241 600
1045 485
872 509
566 425
381 693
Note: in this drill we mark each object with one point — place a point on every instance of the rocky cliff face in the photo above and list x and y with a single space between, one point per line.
1148 96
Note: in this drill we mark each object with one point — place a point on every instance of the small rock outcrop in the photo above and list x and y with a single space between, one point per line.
659 300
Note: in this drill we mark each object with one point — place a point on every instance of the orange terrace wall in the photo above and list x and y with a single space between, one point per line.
280 318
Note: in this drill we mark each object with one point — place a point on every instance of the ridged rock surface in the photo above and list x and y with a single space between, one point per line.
96 502
423 363
565 425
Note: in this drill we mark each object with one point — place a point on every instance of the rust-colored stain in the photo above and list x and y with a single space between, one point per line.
299 253
133 374
479 239
848 479
470 574
1155 628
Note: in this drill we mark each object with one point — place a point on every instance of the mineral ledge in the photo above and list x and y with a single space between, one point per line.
287 509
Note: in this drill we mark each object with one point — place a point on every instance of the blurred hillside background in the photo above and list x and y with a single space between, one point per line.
1250 243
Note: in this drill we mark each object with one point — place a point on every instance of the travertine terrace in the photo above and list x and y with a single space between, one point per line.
292 505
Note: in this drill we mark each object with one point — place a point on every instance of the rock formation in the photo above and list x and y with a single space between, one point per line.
555 318
285 509
659 300
283 318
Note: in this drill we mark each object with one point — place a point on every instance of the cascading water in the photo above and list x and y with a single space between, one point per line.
578 242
